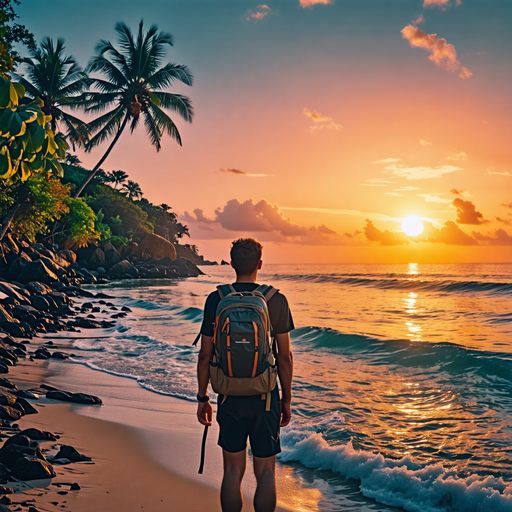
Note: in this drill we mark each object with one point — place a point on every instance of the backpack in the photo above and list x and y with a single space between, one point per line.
243 361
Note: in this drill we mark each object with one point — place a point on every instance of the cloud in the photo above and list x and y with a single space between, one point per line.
466 212
384 237
442 4
442 54
424 142
262 11
355 213
498 237
500 173
420 172
386 161
405 189
464 193
419 20
322 121
377 182
262 218
393 194
507 222
506 205
457 156
309 3
434 198
450 234
238 172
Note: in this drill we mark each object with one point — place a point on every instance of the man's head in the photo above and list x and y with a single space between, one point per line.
246 256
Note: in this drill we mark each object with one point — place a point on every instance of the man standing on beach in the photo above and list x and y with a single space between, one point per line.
240 417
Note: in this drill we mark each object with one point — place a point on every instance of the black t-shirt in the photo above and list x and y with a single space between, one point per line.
278 310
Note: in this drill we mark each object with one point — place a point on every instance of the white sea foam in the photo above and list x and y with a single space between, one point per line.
399 483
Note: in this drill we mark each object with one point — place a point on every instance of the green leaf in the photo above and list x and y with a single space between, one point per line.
25 171
37 165
5 163
55 167
16 149
20 90
11 124
34 137
5 92
5 118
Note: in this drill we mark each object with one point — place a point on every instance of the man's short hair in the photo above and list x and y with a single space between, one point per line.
245 255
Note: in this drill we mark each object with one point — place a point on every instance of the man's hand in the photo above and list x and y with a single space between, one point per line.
286 413
205 413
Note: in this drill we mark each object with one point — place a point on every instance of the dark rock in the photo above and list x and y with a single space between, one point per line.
79 398
87 276
42 353
17 265
53 266
69 256
75 291
37 271
38 435
6 490
4 369
9 413
6 398
157 247
58 286
156 273
11 453
6 362
27 406
23 393
11 290
5 316
87 305
126 276
5 383
75 487
32 468
13 329
70 453
112 256
19 352
60 298
188 266
86 323
101 271
40 303
126 308
97 258
60 355
124 267
18 439
37 288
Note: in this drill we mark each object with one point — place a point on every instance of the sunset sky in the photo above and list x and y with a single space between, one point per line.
321 124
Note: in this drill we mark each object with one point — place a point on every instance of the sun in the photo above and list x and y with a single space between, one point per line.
412 225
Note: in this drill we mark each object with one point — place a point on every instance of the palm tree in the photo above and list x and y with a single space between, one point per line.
59 81
133 85
132 190
117 178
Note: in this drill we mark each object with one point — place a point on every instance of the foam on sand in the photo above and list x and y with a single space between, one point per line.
399 483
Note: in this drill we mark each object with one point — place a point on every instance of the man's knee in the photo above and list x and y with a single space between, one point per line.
264 466
235 463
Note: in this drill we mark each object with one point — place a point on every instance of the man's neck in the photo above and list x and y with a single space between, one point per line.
253 278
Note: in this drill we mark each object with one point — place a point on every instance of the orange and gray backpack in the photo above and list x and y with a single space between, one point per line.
243 361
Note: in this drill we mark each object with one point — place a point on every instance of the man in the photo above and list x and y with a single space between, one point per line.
240 417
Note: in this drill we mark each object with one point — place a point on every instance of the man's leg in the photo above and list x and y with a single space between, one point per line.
265 496
231 490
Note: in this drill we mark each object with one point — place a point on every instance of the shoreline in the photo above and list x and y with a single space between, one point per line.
162 440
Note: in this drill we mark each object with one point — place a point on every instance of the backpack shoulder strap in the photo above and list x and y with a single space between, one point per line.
225 289
267 291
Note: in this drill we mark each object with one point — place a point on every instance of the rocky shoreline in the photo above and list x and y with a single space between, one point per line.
40 294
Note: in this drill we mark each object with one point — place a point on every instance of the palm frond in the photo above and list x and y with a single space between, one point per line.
104 126
167 75
99 101
78 133
176 103
153 130
101 64
165 123
32 91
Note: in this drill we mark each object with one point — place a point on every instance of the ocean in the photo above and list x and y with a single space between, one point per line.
402 392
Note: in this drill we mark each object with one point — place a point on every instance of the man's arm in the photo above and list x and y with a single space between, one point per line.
204 409
285 372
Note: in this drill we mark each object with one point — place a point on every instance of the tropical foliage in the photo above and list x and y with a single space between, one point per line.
27 142
59 81
133 87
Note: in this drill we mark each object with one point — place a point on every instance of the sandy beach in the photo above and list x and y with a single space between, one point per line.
133 450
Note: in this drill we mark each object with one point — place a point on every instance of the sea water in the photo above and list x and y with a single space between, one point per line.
402 388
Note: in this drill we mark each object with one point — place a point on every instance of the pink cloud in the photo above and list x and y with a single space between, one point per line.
498 237
321 121
262 11
443 4
309 3
442 54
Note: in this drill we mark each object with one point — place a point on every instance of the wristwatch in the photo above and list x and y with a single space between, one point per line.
203 399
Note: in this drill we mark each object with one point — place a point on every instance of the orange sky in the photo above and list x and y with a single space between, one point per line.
312 117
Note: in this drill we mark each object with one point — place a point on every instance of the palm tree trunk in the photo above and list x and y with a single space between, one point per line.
91 175
6 224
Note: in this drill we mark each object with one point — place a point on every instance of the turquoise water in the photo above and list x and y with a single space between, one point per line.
403 376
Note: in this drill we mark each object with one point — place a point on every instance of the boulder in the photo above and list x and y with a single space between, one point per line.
5 316
97 258
38 435
5 383
11 453
40 303
23 393
88 277
78 398
124 267
112 256
70 453
186 268
36 288
37 271
27 407
13 291
17 265
14 330
157 247
7 398
67 255
32 468
41 249
18 439
9 413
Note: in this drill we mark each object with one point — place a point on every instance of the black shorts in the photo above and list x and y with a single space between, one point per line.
240 417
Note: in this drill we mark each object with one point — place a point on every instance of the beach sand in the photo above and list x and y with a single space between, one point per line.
144 447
